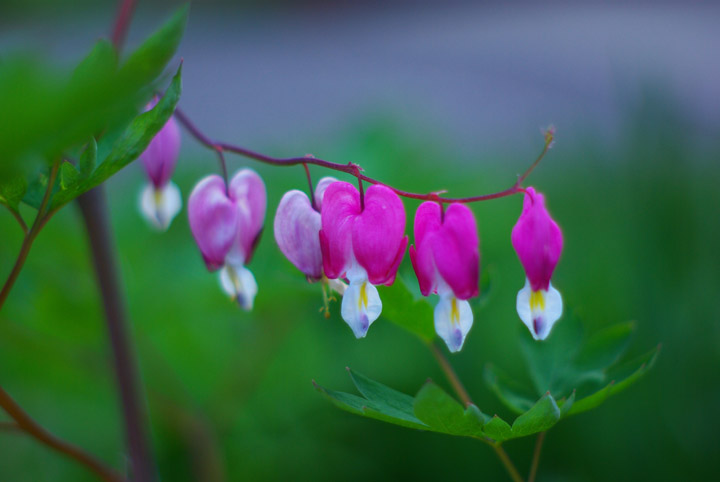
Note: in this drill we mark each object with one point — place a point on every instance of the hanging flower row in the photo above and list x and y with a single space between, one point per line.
354 241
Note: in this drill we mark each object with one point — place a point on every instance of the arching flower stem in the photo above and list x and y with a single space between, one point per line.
354 169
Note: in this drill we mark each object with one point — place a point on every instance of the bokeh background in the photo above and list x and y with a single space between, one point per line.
425 96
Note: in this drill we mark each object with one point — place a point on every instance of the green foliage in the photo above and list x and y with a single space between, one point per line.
434 410
582 375
49 114
125 150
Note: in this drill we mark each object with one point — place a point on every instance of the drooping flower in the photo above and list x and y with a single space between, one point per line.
226 223
538 243
363 241
297 226
160 199
446 260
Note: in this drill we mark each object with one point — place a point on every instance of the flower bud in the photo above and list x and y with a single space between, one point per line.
160 200
538 243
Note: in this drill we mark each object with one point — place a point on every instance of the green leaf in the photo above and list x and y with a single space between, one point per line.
548 361
513 394
48 112
36 190
69 175
395 404
403 309
620 378
498 429
149 60
434 410
605 348
86 163
543 415
12 192
375 409
444 414
130 145
566 404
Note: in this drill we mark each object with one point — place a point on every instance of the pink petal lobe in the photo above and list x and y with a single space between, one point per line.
213 220
378 234
340 206
456 251
446 249
160 156
247 191
296 228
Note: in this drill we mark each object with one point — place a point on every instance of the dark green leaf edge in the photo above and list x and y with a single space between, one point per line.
432 409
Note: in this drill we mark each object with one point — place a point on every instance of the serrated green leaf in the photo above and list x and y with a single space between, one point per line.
443 413
69 175
514 395
133 142
368 408
498 429
543 415
86 163
401 307
395 404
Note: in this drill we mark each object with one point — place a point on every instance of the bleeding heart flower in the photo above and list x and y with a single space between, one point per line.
538 242
363 241
226 224
297 227
446 260
160 200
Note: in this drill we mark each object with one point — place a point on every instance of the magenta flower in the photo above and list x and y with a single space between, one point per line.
363 241
160 200
538 242
297 227
446 259
226 224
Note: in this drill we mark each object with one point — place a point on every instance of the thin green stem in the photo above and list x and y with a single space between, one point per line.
536 456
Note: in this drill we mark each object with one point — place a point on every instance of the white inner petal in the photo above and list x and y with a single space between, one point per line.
338 286
239 283
539 310
453 320
159 207
361 303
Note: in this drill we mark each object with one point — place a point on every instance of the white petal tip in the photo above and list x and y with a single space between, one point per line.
360 306
539 310
160 206
240 284
453 320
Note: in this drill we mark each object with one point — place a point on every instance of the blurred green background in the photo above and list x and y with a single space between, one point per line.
229 392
